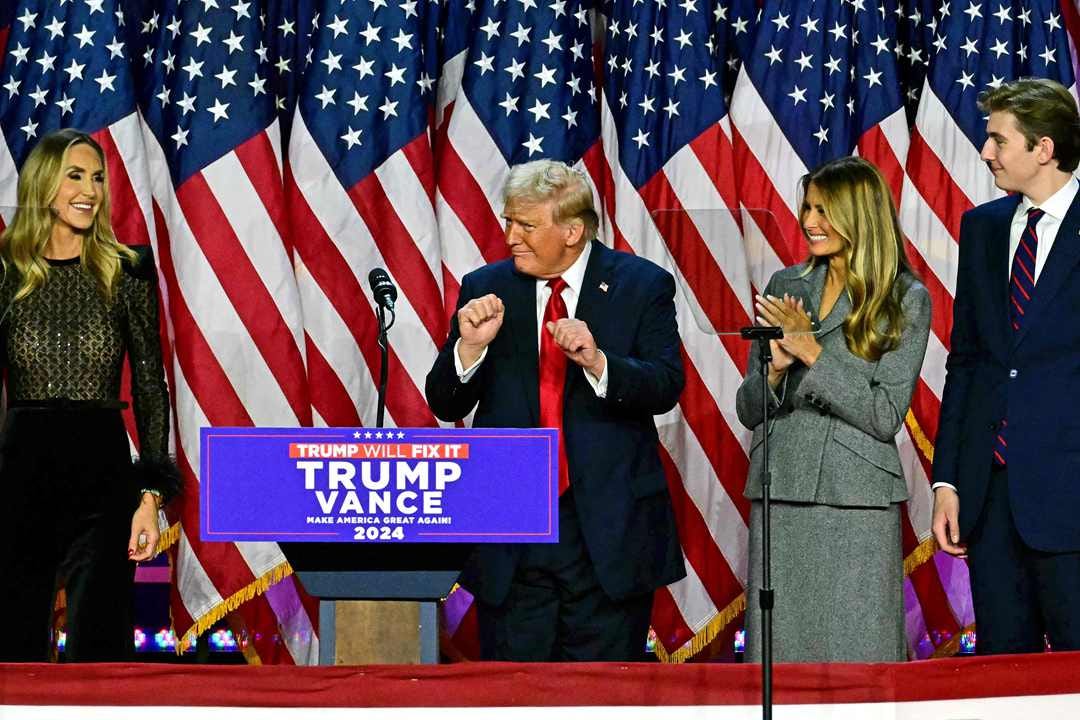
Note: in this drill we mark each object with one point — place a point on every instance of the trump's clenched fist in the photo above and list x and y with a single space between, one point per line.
576 340
479 321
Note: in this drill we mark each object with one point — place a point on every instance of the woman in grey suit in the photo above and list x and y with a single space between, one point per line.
856 321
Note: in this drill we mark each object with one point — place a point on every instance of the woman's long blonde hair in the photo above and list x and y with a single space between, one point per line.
859 206
23 243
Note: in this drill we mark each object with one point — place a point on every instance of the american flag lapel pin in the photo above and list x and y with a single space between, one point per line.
603 287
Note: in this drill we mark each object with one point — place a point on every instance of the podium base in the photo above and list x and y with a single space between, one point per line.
381 632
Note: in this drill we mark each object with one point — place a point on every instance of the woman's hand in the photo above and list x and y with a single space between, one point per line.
781 361
145 533
788 313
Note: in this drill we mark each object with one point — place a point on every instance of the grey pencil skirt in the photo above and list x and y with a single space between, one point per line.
838 577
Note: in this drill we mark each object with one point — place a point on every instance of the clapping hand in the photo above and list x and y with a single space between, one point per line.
789 314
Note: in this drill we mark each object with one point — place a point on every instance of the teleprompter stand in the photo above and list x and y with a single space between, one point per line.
766 597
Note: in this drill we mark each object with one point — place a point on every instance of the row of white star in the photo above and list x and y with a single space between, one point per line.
48 62
684 38
974 11
180 137
516 70
522 35
540 110
287 27
74 71
29 19
677 74
378 434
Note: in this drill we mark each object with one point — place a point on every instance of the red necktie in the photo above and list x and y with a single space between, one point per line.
553 375
1021 288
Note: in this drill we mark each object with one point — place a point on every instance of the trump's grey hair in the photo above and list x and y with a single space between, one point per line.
542 181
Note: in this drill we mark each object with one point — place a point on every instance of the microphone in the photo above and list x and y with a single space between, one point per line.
383 288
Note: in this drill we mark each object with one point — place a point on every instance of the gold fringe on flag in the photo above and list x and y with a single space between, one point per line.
704 636
921 441
168 538
253 589
919 555
929 546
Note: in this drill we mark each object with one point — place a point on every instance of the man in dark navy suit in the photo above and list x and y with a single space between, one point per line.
1007 462
570 334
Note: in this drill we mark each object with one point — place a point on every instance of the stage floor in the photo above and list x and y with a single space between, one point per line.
1009 687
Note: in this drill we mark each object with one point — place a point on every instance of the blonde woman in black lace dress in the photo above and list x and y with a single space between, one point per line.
78 512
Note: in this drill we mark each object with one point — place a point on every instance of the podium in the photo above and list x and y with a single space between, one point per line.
377 603
377 523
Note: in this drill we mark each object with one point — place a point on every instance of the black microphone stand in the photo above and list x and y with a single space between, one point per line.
384 361
766 597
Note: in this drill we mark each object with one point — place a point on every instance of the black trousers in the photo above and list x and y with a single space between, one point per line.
1020 594
67 501
557 611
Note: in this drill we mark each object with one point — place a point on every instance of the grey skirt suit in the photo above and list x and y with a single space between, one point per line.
837 483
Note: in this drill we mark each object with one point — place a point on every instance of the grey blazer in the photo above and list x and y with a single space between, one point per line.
832 426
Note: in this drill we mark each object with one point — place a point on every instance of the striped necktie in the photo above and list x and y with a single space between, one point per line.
1021 290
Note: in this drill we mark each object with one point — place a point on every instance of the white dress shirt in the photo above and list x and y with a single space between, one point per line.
575 278
1055 207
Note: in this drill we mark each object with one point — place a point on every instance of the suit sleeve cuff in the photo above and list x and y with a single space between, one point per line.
599 386
466 374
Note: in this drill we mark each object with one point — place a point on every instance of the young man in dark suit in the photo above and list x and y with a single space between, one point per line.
1007 461
570 334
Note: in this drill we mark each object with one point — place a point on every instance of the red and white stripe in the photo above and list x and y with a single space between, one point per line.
680 219
233 318
385 220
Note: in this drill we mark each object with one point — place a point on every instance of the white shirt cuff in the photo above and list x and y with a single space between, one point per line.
952 487
599 386
465 374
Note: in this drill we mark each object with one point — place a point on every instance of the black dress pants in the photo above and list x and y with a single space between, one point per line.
1020 594
556 610
67 501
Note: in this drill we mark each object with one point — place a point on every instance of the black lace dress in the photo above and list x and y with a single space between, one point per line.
68 487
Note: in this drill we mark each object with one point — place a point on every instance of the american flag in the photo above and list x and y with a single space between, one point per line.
274 151
518 84
667 148
175 93
972 46
212 142
360 195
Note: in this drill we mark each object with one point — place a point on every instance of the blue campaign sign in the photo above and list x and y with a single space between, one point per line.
390 485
